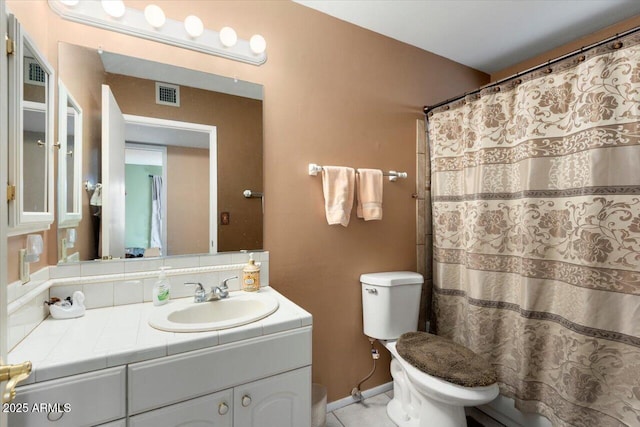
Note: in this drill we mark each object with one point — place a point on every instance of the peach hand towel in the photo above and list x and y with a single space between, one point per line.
369 190
338 186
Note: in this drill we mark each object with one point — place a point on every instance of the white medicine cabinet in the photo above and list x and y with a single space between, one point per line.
31 115
69 159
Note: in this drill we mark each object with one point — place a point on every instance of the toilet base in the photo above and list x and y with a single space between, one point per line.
430 414
398 416
409 408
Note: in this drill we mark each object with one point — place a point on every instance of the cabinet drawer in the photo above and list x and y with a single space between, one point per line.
173 379
210 410
85 400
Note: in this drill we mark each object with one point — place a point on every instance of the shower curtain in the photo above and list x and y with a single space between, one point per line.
536 216
155 239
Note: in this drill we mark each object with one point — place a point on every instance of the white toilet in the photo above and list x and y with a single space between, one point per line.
390 306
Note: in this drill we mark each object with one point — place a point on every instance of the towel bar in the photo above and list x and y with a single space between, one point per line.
315 169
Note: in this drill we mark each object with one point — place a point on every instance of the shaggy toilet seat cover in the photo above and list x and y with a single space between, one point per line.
445 359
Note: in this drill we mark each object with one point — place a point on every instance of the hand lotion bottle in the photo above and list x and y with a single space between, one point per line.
160 293
251 276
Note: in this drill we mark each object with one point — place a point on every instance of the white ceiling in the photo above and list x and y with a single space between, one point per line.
488 35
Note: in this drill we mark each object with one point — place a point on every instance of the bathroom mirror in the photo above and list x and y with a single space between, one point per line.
150 91
31 135
69 159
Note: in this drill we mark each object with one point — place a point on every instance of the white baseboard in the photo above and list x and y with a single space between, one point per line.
503 410
337 404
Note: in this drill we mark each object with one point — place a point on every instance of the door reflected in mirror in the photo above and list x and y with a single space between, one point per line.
196 191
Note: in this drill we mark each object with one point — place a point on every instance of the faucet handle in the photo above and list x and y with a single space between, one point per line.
198 286
224 282
200 294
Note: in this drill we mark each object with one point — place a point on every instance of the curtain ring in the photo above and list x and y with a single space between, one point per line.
617 45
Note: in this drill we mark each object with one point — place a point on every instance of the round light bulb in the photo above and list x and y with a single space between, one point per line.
70 3
193 26
114 8
154 16
257 44
228 37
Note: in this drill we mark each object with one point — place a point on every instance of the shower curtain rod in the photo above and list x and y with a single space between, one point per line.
428 108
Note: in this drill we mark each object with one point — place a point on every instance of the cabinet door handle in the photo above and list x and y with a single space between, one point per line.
223 408
54 416
246 400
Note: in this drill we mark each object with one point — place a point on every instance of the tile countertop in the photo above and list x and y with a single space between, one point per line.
113 336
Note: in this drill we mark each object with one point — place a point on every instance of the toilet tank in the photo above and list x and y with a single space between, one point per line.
390 303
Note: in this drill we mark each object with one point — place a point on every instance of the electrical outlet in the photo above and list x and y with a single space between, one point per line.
224 218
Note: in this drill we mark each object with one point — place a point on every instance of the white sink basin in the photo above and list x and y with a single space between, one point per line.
239 309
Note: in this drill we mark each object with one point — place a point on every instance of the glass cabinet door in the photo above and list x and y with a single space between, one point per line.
69 159
30 135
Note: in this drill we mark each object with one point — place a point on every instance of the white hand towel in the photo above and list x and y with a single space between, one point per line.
338 186
369 190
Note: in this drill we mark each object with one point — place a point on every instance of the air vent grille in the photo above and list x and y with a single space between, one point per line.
167 94
34 74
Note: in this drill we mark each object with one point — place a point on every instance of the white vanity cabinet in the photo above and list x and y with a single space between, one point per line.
213 410
268 381
283 400
85 400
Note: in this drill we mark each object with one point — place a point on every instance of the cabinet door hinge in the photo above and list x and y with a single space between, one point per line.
11 192
11 46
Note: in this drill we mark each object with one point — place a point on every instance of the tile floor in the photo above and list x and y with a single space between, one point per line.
373 413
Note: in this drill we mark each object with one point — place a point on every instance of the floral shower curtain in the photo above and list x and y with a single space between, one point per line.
536 216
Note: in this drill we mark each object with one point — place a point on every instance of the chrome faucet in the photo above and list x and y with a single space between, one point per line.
223 290
201 294
217 292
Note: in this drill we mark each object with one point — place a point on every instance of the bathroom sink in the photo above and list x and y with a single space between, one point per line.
238 309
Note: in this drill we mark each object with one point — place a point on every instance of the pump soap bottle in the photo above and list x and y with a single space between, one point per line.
161 289
251 276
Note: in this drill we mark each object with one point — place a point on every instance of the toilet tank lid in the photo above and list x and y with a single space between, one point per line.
392 278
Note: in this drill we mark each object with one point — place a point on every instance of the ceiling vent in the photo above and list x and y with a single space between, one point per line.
167 94
33 72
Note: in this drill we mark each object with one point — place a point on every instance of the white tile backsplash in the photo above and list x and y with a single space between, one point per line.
65 270
215 259
98 295
264 273
128 292
240 258
182 262
98 268
136 265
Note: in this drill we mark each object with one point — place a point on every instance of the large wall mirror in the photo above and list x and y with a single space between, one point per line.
173 150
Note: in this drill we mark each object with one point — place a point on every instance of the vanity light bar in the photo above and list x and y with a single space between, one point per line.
171 32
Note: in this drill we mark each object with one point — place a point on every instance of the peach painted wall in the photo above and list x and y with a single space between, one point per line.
334 94
187 204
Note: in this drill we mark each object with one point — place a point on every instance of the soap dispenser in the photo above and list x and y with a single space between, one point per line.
161 289
251 276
